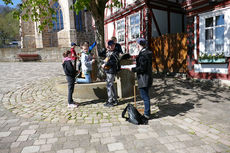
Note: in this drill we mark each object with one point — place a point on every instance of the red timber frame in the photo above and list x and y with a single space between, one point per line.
146 15
133 8
193 9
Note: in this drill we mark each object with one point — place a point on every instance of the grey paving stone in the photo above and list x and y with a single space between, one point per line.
115 146
65 151
30 149
79 150
4 134
46 147
71 144
28 132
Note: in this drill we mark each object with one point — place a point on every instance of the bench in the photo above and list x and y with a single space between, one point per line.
29 57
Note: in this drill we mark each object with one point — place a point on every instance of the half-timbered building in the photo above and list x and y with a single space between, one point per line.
208 27
143 18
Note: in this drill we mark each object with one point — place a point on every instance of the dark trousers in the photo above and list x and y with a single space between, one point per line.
75 64
144 93
70 81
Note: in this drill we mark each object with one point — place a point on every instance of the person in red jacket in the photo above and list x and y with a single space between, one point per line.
73 54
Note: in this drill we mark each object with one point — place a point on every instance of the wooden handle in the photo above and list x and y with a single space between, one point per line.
134 92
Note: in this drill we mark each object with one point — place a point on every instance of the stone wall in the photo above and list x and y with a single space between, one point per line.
52 54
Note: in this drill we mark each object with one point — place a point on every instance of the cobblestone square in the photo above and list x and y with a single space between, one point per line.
187 116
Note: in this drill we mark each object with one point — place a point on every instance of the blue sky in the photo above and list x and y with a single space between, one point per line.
14 1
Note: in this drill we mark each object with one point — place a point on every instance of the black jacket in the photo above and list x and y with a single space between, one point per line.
112 63
69 68
118 49
144 68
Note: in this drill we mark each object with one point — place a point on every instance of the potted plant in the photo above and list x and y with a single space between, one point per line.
219 58
212 58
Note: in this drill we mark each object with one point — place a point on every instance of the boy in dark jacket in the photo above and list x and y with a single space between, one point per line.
70 73
144 73
110 67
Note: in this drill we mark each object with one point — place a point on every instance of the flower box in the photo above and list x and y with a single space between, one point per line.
205 60
219 60
213 60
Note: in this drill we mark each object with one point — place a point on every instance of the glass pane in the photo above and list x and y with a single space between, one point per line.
209 22
122 24
208 34
220 20
137 31
137 19
61 20
219 42
132 20
132 32
118 26
121 36
54 25
209 46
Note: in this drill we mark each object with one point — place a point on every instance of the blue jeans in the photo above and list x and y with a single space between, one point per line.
144 93
87 78
70 81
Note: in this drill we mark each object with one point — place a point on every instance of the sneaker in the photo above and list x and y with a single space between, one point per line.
72 105
115 102
108 104
147 116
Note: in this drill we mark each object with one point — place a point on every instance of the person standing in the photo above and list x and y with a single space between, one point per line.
144 73
110 68
73 54
86 65
70 73
118 48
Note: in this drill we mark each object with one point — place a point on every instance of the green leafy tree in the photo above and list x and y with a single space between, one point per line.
9 26
41 10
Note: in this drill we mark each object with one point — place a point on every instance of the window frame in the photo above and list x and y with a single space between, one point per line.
203 28
120 30
58 24
130 26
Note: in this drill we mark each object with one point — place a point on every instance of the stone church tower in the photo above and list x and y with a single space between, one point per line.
69 27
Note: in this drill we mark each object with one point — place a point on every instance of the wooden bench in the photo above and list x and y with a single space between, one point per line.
29 57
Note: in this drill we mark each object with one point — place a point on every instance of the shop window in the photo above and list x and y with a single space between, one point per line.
58 22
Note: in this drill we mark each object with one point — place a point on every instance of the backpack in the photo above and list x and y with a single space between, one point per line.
133 115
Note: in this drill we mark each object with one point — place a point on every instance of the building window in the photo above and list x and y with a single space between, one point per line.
78 21
58 22
133 49
214 33
120 30
134 26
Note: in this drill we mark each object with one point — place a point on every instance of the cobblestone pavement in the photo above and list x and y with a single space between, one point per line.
187 116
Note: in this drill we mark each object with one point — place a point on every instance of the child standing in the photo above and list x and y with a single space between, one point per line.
70 73
110 67
73 54
86 64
